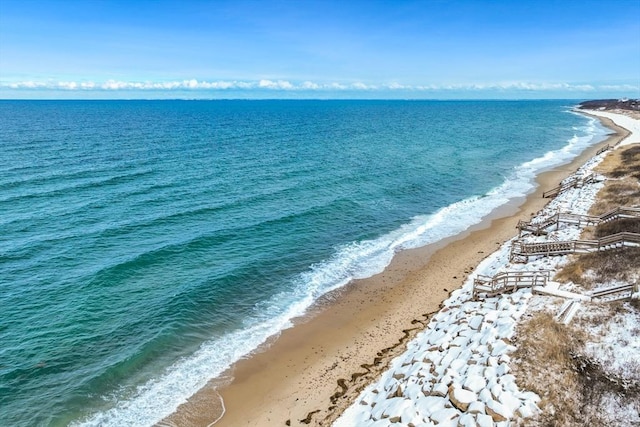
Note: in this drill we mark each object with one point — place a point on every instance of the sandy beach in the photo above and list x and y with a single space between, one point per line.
334 214
311 372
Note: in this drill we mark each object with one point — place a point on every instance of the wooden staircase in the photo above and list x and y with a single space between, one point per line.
508 282
567 311
520 251
620 213
540 228
567 218
612 293
572 182
487 286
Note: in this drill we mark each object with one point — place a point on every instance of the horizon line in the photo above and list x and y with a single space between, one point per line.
317 99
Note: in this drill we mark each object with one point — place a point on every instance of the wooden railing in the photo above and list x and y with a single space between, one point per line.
621 212
608 147
568 218
572 182
521 250
624 239
508 282
540 228
613 293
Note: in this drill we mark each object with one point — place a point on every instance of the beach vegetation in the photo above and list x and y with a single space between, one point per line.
571 366
545 364
622 167
625 192
576 389
592 269
629 225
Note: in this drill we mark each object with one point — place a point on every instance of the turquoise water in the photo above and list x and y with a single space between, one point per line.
147 245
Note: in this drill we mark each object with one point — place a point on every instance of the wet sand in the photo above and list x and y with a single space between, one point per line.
313 371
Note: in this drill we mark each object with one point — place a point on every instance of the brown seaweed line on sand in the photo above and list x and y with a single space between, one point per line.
374 368
309 416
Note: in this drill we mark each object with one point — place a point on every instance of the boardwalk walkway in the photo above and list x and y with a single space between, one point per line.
573 182
566 218
520 251
508 282
487 286
540 228
620 213
612 293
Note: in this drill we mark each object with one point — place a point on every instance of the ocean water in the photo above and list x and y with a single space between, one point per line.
147 245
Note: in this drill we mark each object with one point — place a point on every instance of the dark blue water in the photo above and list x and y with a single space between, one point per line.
147 245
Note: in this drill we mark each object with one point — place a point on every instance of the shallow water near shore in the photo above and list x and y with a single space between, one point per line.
149 245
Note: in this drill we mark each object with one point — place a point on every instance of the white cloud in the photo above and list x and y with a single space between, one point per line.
541 86
336 86
620 87
68 85
280 84
511 86
285 85
26 85
395 86
361 86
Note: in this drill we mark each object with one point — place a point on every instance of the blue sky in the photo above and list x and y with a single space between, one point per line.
320 49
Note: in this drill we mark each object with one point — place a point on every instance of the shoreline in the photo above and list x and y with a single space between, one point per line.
310 372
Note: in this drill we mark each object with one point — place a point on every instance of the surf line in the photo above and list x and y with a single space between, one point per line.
224 409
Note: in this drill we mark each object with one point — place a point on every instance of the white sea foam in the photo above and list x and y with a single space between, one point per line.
160 397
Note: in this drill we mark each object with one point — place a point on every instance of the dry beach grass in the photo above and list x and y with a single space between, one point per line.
544 360
552 359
